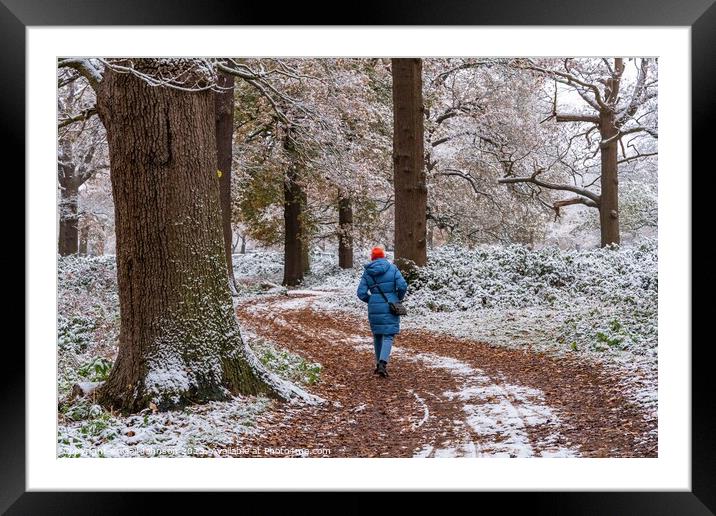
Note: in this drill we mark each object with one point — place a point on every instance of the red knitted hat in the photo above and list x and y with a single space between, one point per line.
377 252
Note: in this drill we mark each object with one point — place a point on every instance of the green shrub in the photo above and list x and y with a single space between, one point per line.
96 370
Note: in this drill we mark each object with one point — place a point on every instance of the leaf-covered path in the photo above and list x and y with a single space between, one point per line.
444 396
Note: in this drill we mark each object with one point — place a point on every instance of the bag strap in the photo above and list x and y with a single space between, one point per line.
380 290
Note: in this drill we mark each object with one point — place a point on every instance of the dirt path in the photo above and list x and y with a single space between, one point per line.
444 396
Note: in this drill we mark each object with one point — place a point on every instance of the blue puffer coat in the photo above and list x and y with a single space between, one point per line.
387 275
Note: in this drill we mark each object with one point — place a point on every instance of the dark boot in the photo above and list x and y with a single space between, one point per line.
375 371
382 368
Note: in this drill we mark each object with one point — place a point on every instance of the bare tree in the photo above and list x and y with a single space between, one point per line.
80 154
612 112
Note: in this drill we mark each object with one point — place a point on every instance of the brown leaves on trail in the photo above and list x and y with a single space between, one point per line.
370 416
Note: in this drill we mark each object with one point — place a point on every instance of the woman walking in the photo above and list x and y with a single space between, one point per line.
380 285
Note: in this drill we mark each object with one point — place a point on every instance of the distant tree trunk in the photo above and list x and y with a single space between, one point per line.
609 198
304 236
101 238
224 107
409 162
243 244
293 268
84 235
179 339
345 232
305 257
69 219
293 249
609 201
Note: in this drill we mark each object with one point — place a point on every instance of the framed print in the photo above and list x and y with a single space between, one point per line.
449 251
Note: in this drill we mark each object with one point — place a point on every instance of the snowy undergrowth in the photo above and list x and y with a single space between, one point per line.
87 319
87 430
255 270
289 366
600 300
88 327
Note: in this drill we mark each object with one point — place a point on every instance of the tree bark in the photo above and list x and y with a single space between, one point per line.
345 232
69 219
224 107
179 339
305 255
84 235
304 236
292 210
293 201
101 239
609 201
409 162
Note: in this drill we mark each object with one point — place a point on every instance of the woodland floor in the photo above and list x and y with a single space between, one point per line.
444 396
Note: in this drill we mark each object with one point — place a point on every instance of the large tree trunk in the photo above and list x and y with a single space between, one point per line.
345 232
179 339
408 162
224 104
69 219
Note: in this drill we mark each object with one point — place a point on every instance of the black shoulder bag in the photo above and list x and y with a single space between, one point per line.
396 308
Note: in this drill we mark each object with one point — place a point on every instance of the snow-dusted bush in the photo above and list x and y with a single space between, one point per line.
510 277
87 318
289 366
87 301
261 264
268 265
604 298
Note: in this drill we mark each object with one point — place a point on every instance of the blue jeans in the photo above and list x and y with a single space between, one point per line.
382 344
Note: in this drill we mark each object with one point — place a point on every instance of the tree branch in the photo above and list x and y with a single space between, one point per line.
85 68
575 117
85 114
638 155
570 80
575 200
551 186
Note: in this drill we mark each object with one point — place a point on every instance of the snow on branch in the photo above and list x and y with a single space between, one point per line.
85 67
592 199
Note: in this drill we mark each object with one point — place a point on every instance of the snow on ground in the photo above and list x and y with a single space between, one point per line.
494 408
194 431
598 304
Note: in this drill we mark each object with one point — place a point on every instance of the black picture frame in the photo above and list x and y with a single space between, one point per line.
700 15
